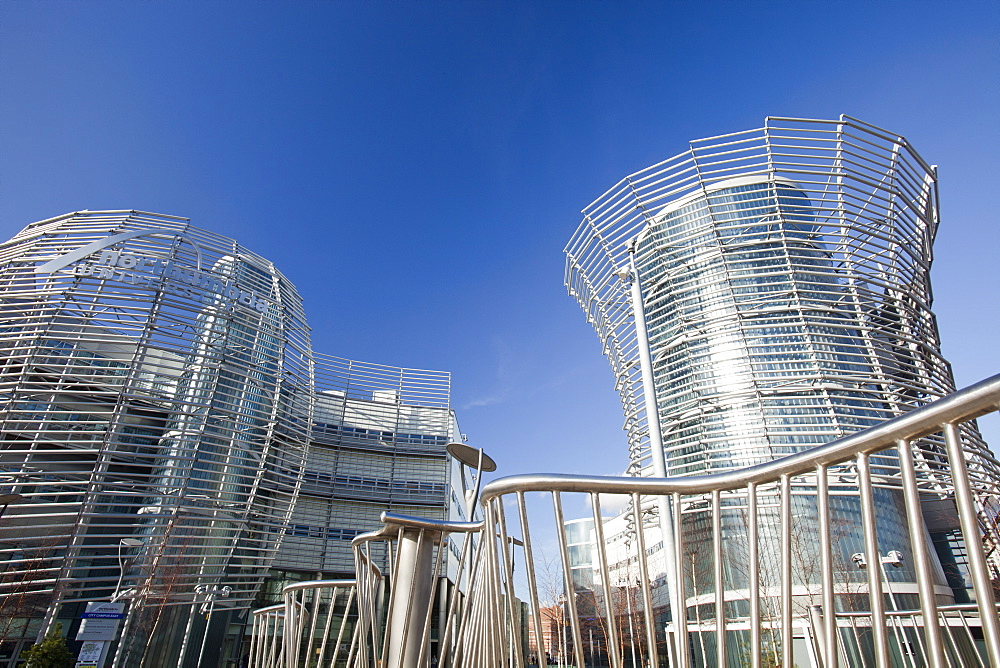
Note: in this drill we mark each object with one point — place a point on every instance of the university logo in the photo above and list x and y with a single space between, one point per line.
153 272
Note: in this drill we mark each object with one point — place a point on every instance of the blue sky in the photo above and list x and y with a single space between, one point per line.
416 168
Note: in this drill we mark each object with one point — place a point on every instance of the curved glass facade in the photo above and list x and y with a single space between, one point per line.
156 404
784 275
758 336
783 285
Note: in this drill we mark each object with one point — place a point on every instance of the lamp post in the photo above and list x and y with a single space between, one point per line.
893 558
119 594
199 507
476 459
124 542
211 593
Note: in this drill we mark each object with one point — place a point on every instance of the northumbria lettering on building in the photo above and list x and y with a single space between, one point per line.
154 272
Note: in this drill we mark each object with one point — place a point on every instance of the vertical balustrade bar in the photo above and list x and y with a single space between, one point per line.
873 562
275 649
391 610
786 571
364 584
254 640
300 613
357 637
425 635
366 603
754 576
474 573
340 632
934 648
289 639
614 650
529 560
647 595
568 580
678 605
829 635
720 586
954 643
313 622
967 515
325 638
507 542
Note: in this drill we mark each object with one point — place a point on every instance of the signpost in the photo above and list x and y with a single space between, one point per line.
99 627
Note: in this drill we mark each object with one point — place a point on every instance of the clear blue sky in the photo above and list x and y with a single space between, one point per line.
416 168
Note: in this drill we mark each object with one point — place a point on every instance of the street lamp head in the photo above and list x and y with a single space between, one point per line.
470 456
132 542
893 558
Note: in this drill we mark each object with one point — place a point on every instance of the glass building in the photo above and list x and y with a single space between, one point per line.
766 292
169 441
153 424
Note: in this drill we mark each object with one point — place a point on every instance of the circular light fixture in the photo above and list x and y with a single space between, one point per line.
470 456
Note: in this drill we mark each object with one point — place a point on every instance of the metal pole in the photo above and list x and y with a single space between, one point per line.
411 599
208 623
631 629
656 444
187 633
967 516
921 557
879 635
816 621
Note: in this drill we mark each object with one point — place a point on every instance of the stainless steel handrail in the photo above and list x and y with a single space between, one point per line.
962 406
784 485
621 603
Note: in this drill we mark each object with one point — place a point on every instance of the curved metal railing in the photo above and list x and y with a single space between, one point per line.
312 626
755 545
775 564
398 633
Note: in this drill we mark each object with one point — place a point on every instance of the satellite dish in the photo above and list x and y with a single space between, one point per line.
470 456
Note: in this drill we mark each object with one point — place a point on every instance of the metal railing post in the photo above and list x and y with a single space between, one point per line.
965 502
411 598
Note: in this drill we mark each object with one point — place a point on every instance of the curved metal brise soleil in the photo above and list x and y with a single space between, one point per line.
793 260
156 405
